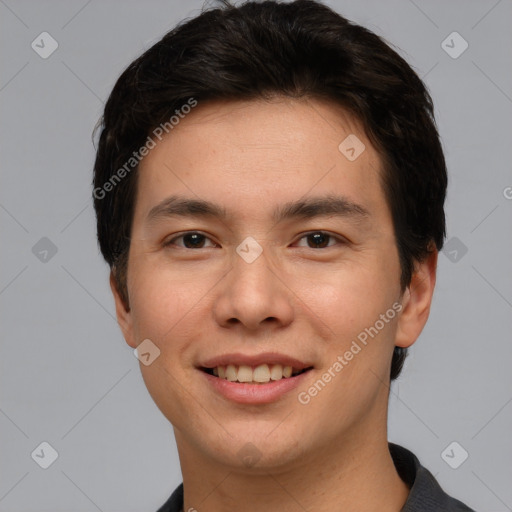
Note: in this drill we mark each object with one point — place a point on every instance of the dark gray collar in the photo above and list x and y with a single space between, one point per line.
425 493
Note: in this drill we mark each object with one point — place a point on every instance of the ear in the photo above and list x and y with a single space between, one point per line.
416 301
123 313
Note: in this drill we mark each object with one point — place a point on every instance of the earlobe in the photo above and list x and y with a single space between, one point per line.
416 301
123 313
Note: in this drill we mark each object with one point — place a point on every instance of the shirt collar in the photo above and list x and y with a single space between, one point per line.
425 494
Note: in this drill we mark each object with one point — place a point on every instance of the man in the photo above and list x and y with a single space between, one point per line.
269 189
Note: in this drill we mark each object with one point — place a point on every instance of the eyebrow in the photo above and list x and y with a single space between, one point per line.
340 206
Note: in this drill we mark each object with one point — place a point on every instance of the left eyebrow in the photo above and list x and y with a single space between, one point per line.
305 209
313 207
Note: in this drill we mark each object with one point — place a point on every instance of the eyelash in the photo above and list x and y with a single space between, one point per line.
306 235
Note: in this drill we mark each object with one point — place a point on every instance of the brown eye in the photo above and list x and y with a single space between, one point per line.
320 240
192 240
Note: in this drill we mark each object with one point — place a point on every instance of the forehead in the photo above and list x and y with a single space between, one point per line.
253 154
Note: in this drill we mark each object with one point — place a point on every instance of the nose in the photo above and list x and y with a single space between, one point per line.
254 295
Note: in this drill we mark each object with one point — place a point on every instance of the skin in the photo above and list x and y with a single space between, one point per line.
295 299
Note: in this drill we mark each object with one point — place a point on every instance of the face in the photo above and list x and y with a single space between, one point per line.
260 248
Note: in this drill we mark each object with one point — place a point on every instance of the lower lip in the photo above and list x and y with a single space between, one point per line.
254 393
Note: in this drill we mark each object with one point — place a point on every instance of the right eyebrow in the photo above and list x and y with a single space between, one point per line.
185 207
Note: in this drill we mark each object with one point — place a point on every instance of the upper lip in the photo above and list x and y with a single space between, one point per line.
239 359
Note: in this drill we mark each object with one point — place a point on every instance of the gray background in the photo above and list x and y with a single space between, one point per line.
67 376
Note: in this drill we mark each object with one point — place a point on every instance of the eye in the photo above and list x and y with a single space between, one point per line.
320 239
191 240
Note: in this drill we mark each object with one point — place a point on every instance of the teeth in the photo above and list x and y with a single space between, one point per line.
261 373
258 375
244 374
231 372
276 372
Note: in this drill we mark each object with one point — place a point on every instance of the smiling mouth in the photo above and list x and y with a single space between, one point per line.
261 374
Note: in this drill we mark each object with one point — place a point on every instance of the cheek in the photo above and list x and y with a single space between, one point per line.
348 306
351 297
157 304
334 301
161 310
171 304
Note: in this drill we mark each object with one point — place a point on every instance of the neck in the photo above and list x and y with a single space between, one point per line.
348 474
